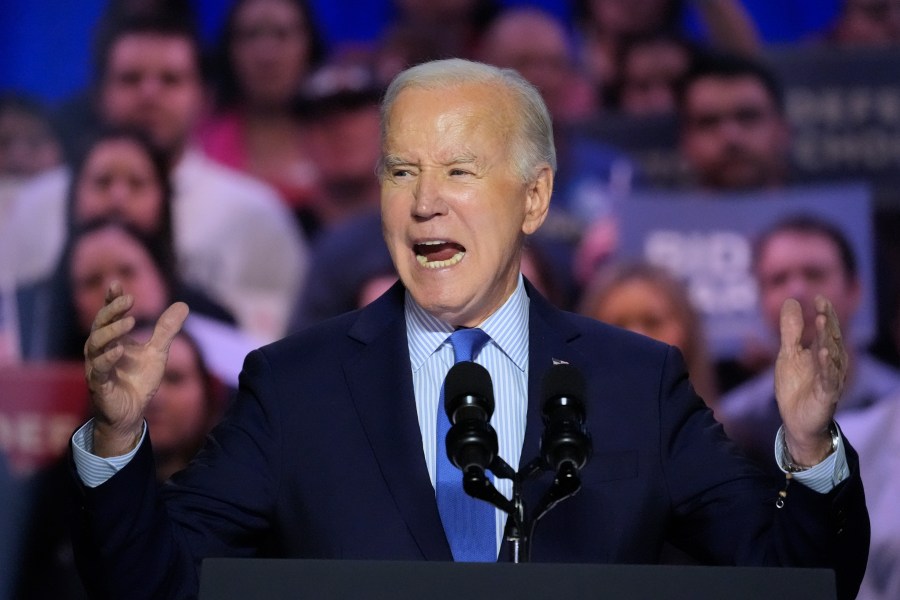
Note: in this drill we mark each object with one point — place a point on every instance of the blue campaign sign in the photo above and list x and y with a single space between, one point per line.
706 240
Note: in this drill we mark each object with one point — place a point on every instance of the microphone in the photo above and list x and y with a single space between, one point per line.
566 444
471 441
469 403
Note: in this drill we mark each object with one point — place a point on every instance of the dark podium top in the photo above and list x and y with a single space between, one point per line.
227 578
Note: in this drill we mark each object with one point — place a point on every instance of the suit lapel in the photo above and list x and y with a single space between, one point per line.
548 341
380 381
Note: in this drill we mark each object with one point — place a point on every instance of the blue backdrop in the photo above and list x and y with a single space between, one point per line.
44 44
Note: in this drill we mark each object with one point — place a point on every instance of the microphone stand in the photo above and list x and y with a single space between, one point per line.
520 526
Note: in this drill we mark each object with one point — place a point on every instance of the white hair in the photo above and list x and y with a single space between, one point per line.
533 138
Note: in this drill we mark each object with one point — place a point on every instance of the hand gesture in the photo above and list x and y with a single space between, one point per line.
808 381
123 375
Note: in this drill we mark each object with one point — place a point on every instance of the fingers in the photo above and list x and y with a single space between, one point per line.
100 339
791 324
117 304
168 326
103 349
99 369
827 324
832 354
828 329
114 291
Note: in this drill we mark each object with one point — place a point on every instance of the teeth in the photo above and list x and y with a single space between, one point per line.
439 264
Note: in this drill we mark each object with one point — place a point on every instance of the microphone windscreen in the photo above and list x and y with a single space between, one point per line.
468 380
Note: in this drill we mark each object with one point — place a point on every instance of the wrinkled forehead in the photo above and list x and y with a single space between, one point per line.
463 108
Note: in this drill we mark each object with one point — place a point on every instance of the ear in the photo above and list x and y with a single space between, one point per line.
537 199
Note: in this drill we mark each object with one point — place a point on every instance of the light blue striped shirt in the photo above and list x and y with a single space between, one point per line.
505 357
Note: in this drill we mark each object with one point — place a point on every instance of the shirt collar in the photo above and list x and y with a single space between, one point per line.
507 326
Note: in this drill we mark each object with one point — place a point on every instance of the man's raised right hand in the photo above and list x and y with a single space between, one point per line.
122 374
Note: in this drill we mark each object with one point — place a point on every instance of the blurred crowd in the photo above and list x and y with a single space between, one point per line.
240 178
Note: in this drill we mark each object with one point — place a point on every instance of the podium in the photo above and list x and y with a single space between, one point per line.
275 579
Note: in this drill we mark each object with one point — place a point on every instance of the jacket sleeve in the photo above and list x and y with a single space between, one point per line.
135 538
726 510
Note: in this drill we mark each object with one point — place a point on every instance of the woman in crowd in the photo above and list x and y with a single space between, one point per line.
268 48
188 404
647 299
118 176
121 175
105 250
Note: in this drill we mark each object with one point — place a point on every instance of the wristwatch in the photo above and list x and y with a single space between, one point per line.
788 462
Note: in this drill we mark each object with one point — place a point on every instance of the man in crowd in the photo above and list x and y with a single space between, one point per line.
340 101
332 451
801 257
233 237
734 135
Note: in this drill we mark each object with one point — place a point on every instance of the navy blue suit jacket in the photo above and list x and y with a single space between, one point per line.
321 457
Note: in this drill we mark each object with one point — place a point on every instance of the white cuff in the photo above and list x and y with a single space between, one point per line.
92 469
824 476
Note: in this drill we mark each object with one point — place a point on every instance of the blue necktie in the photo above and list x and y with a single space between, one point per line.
468 522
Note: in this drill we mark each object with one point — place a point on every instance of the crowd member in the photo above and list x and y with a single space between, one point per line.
268 49
424 30
733 131
190 401
78 116
649 300
466 174
537 45
344 259
866 23
606 26
105 250
340 102
228 226
652 68
733 136
876 433
801 257
28 142
120 176
28 145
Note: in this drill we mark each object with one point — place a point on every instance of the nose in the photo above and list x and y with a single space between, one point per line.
797 287
118 192
428 196
150 86
731 130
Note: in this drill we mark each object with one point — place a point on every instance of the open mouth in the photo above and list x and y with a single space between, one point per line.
437 254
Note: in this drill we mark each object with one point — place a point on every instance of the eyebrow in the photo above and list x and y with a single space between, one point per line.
392 160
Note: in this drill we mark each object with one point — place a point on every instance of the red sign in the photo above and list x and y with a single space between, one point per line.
41 404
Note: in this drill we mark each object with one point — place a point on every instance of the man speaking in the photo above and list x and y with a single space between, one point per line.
332 448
